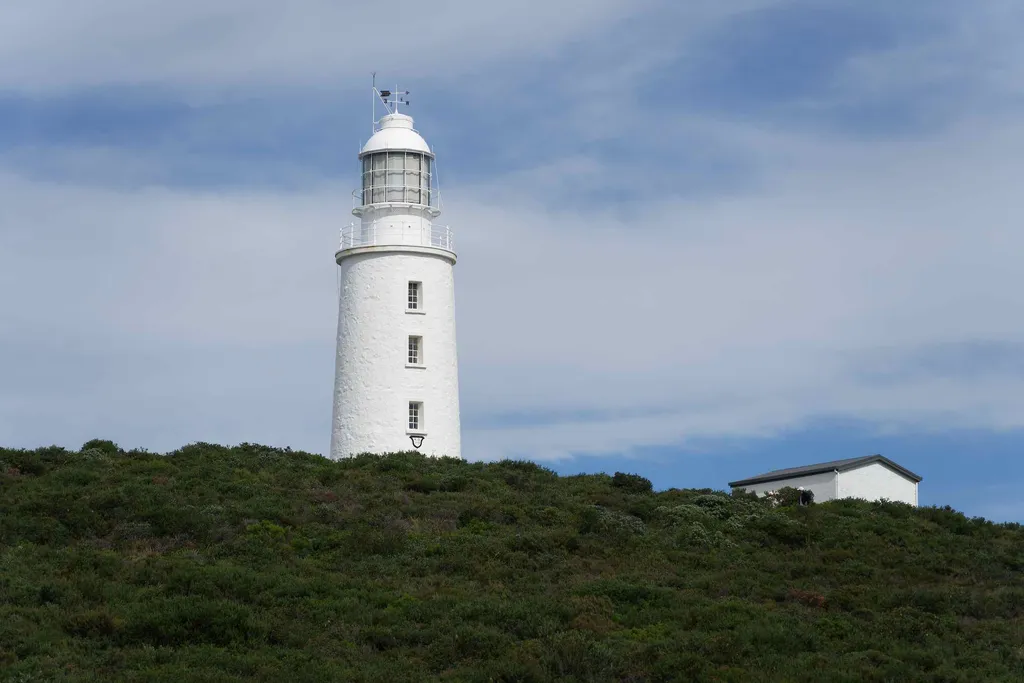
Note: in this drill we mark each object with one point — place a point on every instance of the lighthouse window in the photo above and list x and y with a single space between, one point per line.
415 415
396 177
377 177
415 299
425 181
415 350
412 177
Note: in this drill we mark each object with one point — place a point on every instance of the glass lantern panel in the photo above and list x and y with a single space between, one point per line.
412 187
425 181
367 180
396 177
378 164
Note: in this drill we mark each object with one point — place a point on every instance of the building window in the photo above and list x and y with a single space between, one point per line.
415 350
415 415
415 296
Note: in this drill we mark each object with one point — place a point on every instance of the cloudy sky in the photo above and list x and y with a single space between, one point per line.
697 240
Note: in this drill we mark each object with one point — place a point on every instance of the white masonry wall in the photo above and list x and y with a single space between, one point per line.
373 386
875 481
822 485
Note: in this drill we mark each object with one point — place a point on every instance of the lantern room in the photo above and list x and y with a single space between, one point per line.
397 165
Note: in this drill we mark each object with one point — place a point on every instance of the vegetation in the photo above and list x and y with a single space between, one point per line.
254 563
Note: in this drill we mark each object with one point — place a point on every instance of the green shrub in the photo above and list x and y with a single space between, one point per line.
104 446
95 624
788 496
423 485
189 621
715 505
598 520
682 514
633 483
258 563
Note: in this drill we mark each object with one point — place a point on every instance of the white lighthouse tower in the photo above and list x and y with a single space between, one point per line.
396 383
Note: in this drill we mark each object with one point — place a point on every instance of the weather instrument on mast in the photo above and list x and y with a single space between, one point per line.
391 99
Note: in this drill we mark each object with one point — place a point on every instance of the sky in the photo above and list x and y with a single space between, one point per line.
697 241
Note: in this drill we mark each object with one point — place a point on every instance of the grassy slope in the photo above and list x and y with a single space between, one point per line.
218 564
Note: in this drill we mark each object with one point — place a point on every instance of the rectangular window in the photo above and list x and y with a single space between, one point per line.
425 182
415 298
367 181
412 178
415 350
415 415
396 177
378 165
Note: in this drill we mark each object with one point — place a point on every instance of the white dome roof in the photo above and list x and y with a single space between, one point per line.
396 133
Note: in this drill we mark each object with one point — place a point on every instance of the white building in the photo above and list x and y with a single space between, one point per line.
396 381
871 477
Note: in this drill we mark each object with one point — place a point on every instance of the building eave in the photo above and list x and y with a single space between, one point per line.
821 468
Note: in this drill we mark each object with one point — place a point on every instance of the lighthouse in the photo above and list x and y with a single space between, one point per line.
396 385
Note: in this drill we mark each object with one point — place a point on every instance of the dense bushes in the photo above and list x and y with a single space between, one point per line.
633 483
255 563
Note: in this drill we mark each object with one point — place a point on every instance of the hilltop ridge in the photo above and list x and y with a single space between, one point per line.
213 563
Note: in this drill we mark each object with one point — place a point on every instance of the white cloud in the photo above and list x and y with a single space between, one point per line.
50 43
175 315
170 266
758 312
953 58
740 315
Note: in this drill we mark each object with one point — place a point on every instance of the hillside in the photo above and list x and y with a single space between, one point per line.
252 563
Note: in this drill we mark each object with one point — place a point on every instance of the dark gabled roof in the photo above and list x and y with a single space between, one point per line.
834 465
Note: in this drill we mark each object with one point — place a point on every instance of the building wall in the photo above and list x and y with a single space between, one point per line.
373 386
875 481
822 485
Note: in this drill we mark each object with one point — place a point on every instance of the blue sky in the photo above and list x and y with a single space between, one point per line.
696 242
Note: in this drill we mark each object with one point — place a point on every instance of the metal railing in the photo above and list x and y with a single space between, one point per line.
400 194
387 233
